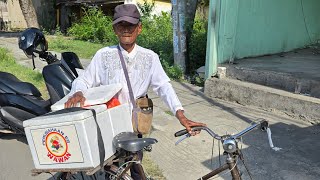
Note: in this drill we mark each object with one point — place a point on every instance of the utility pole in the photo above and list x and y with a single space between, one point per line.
183 12
179 33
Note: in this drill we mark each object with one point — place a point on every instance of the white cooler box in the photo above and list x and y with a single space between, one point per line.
68 139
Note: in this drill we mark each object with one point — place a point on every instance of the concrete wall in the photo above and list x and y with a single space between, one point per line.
258 27
44 9
15 16
163 5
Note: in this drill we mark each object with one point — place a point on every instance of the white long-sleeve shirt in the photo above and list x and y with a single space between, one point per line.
144 70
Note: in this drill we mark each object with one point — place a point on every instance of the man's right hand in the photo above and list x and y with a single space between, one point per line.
75 99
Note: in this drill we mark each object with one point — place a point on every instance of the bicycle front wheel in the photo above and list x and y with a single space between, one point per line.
111 173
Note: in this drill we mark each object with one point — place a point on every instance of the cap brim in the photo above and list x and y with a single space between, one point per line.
127 19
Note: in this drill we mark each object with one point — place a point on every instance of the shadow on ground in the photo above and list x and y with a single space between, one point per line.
9 34
217 104
298 159
18 137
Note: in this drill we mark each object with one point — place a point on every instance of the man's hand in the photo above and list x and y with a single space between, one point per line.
75 99
188 123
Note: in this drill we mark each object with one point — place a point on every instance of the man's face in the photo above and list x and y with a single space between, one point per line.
127 33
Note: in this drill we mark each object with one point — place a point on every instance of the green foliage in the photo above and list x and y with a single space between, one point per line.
4 57
60 43
56 31
157 35
83 49
8 64
146 8
197 80
94 26
173 71
197 45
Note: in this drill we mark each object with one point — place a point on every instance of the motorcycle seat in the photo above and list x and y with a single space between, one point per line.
34 105
12 85
14 117
130 142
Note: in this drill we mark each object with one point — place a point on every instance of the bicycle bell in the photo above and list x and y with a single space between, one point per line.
229 145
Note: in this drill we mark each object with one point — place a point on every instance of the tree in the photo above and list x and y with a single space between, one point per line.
28 12
146 8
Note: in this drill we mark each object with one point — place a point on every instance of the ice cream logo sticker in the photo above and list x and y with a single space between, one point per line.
57 145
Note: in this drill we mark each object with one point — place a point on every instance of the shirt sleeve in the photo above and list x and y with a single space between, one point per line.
160 84
90 77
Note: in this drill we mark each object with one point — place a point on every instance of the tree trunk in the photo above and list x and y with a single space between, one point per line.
29 13
191 7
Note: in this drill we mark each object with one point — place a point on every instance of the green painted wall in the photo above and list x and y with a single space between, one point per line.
258 27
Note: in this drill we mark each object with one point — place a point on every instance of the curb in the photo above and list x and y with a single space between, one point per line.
295 105
279 80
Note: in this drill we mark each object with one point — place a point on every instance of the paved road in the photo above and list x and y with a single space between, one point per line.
298 158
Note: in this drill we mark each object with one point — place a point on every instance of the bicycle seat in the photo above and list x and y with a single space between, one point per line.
130 142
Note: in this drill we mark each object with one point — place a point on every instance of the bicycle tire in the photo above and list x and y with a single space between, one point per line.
110 173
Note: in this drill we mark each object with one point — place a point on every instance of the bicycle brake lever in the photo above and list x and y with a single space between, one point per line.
182 138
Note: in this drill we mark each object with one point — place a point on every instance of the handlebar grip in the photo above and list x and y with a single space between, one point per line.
264 125
180 133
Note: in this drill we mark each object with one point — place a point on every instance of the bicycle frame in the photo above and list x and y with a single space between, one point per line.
230 146
230 164
130 164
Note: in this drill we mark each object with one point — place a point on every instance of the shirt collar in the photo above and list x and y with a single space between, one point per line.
130 55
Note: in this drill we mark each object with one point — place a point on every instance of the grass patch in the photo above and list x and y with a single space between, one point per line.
83 49
8 64
169 113
151 168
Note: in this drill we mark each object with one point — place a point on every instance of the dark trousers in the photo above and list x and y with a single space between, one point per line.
135 167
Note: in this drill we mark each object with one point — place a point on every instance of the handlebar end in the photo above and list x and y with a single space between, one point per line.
264 125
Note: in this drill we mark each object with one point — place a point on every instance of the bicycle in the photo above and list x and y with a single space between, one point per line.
230 147
117 167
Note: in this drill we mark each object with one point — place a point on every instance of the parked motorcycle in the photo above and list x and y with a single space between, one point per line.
19 100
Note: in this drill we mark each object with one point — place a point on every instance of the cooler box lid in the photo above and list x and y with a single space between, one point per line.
94 96
62 116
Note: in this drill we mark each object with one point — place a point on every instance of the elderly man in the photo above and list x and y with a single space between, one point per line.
143 65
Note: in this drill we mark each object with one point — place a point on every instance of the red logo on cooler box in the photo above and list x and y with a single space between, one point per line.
57 145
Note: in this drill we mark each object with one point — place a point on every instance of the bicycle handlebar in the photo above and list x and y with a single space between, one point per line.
263 126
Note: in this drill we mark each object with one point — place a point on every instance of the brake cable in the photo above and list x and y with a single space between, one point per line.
245 165
34 66
212 152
